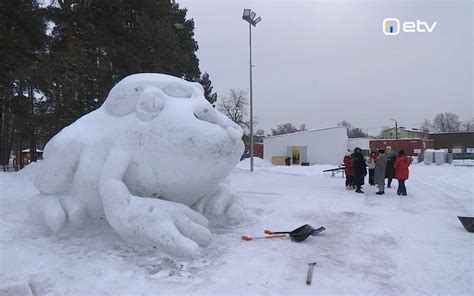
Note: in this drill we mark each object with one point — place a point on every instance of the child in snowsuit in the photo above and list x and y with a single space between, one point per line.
401 172
379 172
348 170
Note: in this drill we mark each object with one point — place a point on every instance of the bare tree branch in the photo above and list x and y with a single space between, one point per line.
447 122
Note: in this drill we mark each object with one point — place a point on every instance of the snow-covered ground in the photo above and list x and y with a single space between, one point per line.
373 245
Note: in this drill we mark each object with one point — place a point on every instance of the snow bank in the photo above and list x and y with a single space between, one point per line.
463 162
257 163
261 165
373 245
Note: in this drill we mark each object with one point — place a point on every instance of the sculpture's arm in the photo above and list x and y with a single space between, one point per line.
173 227
115 195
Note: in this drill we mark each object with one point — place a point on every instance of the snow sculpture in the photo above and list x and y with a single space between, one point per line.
152 160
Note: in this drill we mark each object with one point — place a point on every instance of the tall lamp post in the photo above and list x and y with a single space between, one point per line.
249 16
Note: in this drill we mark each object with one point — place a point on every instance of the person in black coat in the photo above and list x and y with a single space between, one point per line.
390 170
360 169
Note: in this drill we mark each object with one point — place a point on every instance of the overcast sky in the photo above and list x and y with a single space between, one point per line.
321 62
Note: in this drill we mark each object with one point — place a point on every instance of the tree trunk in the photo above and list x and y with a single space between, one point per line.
10 143
7 132
32 126
2 131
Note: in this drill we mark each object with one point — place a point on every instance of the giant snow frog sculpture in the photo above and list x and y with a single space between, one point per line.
152 161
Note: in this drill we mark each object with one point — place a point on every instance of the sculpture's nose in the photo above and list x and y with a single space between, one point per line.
204 111
150 103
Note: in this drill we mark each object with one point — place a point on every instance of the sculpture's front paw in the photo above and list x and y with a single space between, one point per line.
56 211
235 213
172 227
223 207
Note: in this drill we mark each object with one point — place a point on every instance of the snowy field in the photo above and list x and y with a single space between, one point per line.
373 245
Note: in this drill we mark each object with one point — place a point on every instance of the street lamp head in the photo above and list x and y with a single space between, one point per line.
252 16
249 16
246 14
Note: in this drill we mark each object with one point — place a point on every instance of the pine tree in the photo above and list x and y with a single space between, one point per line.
22 41
207 85
48 81
97 43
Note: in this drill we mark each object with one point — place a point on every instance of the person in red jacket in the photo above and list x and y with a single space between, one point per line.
401 171
348 170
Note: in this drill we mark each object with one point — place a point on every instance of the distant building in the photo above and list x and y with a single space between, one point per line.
404 133
257 150
460 144
411 146
456 142
362 143
256 139
257 146
322 146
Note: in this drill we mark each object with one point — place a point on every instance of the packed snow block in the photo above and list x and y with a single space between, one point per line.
449 158
428 157
440 157
152 160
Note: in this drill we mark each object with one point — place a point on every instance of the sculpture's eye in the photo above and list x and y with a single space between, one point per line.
150 103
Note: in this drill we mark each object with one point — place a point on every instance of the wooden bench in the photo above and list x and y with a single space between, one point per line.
340 169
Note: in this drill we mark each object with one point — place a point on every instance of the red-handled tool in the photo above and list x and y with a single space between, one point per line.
300 233
249 238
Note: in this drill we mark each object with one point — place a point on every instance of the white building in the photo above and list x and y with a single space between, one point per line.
323 146
362 143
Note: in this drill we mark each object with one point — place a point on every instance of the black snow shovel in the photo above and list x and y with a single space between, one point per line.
300 233
467 222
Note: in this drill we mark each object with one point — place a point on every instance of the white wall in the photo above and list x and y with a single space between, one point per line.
362 143
324 146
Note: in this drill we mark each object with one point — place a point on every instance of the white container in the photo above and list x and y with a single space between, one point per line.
440 156
428 157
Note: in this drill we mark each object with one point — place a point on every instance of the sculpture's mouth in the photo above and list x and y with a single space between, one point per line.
231 128
235 133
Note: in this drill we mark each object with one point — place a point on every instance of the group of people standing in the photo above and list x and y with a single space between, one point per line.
382 164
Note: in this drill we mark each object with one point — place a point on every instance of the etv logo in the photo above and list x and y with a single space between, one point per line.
391 26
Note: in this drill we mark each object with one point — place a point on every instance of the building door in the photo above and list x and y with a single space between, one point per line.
295 155
298 154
